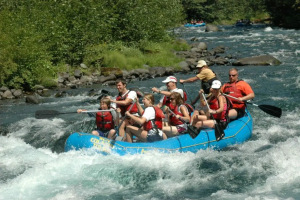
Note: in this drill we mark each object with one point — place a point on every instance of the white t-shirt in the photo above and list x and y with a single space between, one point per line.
131 95
149 113
180 91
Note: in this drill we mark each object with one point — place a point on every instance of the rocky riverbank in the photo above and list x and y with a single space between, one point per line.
107 76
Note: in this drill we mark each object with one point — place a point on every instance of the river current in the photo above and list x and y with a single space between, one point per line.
33 164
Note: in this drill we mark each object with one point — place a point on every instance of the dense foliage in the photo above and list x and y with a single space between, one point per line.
284 13
38 37
223 11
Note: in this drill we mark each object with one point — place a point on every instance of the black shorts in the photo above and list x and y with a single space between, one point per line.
240 112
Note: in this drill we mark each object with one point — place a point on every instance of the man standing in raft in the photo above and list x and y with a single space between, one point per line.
206 75
238 89
124 101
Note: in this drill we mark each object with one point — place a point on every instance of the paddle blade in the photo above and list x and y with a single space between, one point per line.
45 114
271 110
193 131
219 132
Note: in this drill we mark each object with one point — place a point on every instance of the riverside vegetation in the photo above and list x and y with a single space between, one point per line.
40 39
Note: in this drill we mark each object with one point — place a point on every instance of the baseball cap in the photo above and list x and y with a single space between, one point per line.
170 79
201 63
216 84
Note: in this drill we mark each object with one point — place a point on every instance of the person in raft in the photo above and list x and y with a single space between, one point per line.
106 120
217 107
151 120
205 74
171 83
240 90
176 126
124 101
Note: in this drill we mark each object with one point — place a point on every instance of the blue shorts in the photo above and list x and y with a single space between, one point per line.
102 134
153 136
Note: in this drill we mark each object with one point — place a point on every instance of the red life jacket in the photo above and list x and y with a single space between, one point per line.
157 121
134 108
104 121
173 120
231 89
214 105
167 101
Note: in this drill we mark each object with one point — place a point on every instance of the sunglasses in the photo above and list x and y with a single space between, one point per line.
232 75
172 99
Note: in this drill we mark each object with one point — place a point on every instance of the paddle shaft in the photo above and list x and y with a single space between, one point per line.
271 110
239 99
117 129
44 114
219 132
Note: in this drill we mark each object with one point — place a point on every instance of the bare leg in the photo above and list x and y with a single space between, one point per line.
195 113
198 118
138 132
95 133
111 133
232 114
170 131
205 124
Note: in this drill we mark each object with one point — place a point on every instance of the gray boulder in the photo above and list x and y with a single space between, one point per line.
3 89
32 99
257 60
157 71
184 66
77 73
202 46
211 28
8 95
103 79
18 93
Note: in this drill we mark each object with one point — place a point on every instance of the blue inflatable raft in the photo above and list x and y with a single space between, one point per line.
194 25
237 131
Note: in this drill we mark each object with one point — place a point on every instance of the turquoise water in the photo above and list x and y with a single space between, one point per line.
34 166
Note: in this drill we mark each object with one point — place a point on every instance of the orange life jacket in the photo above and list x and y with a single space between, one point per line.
231 89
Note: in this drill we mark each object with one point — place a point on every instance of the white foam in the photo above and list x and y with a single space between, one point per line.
268 29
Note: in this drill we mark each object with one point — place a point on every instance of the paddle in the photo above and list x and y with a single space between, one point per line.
271 110
219 132
45 114
192 132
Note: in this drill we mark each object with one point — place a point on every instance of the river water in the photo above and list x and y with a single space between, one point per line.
34 166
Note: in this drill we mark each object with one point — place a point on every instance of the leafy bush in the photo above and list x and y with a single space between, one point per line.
38 36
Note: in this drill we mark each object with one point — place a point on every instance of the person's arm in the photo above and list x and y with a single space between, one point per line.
126 102
202 101
139 120
189 80
247 97
185 113
247 92
166 93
